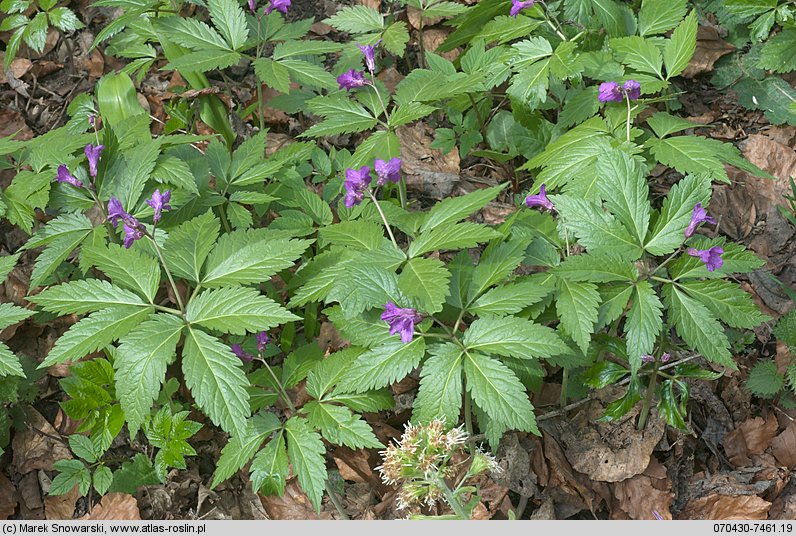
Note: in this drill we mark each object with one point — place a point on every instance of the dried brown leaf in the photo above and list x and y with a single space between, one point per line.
716 506
115 506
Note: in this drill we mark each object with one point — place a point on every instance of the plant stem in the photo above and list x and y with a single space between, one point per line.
402 193
224 220
279 386
564 382
451 499
627 99
338 505
645 409
468 412
166 269
383 218
378 95
664 263
167 310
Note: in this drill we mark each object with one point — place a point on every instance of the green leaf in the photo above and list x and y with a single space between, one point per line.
512 337
395 38
272 73
141 361
772 95
9 364
778 53
116 98
7 264
309 74
497 263
35 32
695 324
456 236
357 234
664 124
357 20
764 381
95 332
270 469
639 54
71 473
576 305
213 374
680 48
667 232
241 449
134 474
455 209
690 155
727 301
382 366
340 426
289 49
228 17
102 479
511 298
306 451
252 261
192 33
236 310
660 16
126 267
341 114
440 392
601 268
83 448
624 188
204 60
364 285
427 281
644 323
497 391
81 297
188 246
64 19
11 314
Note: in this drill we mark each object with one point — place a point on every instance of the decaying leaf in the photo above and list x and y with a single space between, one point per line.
427 171
715 506
751 437
115 506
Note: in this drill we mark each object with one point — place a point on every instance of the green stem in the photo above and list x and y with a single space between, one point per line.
402 193
468 413
564 382
451 499
338 505
168 310
279 386
627 99
166 269
661 279
664 263
645 409
224 220
378 95
383 218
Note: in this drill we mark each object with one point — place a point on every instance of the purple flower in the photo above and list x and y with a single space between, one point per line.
610 92
356 181
369 52
158 202
68 178
262 340
711 257
243 356
698 216
517 6
351 79
132 229
666 357
539 200
656 514
401 320
279 5
252 6
92 120
116 211
93 155
131 234
632 89
387 171
646 358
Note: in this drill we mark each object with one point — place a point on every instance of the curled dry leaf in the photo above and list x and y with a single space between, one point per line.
61 506
37 447
709 48
716 506
750 438
784 446
115 506
643 494
427 171
294 504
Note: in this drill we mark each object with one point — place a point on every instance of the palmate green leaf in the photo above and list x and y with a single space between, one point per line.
778 53
306 451
95 332
427 281
102 479
370 401
7 264
639 54
440 392
188 246
667 232
340 426
248 259
356 234
127 268
367 329
395 38
326 373
228 17
309 74
382 366
597 230
576 305
512 337
455 209
81 297
192 33
71 473
614 300
456 236
54 254
213 374
74 223
596 268
363 285
176 172
341 114
497 391
623 187
680 47
664 124
644 323
357 20
241 449
204 60
513 297
772 95
530 83
727 301
270 469
764 380
660 16
140 363
697 326
423 85
236 310
289 49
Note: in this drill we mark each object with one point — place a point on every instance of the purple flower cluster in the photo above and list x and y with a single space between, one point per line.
158 202
358 180
539 200
518 5
66 177
698 216
133 230
279 5
401 320
613 92
646 358
262 340
352 79
711 257
93 155
369 51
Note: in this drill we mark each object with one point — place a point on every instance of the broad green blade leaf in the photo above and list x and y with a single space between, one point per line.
680 48
272 73
624 189
116 98
576 304
737 259
690 154
455 209
213 374
664 124
667 232
188 246
613 304
497 391
727 301
639 53
364 285
457 236
341 114
357 234
309 74
81 297
11 314
270 469
236 310
253 262
95 332
512 298
141 361
192 33
697 326
382 366
288 49
512 337
54 254
228 17
326 373
7 264
440 392
643 323
427 281
660 16
127 268
340 426
357 20
9 364
241 449
306 451
602 268
497 262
